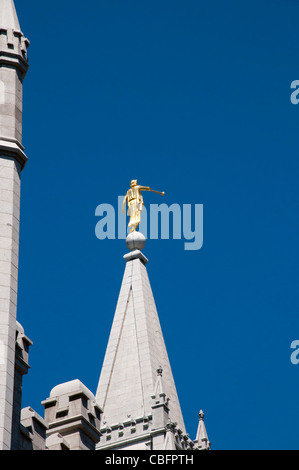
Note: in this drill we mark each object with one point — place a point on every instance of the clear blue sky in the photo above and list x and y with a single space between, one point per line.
192 98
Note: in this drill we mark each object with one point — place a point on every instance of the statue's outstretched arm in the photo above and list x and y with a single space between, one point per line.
147 188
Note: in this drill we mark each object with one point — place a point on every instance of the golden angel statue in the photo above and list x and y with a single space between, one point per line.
135 203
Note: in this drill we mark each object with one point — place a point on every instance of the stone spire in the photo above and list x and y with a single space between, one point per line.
138 408
13 68
8 16
202 441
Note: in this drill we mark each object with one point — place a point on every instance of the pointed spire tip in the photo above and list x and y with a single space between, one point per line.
8 15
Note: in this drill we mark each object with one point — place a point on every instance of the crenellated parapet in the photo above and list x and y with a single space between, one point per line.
13 43
13 49
72 412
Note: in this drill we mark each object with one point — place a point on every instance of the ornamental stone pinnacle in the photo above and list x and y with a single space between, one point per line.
202 441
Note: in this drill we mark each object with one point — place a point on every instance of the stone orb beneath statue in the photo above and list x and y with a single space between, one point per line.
135 241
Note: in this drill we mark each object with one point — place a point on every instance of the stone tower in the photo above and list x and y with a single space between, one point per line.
13 68
136 390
